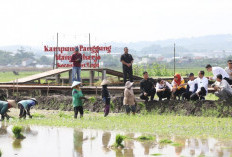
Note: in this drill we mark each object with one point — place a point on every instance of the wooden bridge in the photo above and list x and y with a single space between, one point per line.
56 75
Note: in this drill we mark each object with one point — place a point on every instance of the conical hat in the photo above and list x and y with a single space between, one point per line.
34 100
13 103
129 84
75 83
105 82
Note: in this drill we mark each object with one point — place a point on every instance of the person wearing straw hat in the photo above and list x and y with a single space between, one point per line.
25 106
77 97
4 106
106 96
129 98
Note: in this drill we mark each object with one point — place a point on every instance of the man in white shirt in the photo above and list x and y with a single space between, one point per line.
202 87
223 89
216 71
163 89
229 69
192 87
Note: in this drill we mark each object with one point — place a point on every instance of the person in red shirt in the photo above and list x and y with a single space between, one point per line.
76 70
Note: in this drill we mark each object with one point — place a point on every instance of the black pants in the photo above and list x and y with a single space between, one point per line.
127 70
202 93
186 95
164 94
228 80
179 92
78 109
23 112
150 93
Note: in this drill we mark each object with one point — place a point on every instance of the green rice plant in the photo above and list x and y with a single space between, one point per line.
112 106
177 144
142 105
165 141
145 138
38 115
0 153
118 141
63 115
86 111
17 132
156 154
92 99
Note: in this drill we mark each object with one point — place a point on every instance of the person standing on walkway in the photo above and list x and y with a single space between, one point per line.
127 61
76 69
106 97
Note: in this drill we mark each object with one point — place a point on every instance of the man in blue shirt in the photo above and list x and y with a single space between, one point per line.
25 106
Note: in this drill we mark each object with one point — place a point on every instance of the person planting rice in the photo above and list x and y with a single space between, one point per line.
177 86
25 106
129 98
77 97
106 96
4 106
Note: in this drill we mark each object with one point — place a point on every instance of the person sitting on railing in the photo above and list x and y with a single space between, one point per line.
25 106
147 87
163 89
222 88
216 71
177 87
191 87
202 87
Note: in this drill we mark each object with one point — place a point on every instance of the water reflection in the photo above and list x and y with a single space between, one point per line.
129 146
106 136
17 144
3 129
78 139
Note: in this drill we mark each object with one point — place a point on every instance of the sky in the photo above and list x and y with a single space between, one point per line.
36 22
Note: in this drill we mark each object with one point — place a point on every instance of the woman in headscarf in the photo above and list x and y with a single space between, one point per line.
177 86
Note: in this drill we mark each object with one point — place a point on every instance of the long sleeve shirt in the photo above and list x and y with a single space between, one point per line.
192 85
223 85
76 59
229 72
201 82
159 86
219 70
147 85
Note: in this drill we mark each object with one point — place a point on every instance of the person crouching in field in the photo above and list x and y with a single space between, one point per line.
191 87
177 88
4 106
77 97
106 96
129 98
202 87
25 106
163 89
222 88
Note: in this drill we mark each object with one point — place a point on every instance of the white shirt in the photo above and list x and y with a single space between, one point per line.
191 85
219 70
201 83
223 85
161 86
229 72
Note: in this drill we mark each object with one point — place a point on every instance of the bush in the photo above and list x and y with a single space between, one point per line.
17 132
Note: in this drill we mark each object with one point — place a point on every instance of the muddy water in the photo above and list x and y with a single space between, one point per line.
69 142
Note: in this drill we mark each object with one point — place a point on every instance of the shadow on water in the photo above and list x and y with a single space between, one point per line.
106 136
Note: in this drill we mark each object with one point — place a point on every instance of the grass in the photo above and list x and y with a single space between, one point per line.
165 141
10 76
187 126
17 132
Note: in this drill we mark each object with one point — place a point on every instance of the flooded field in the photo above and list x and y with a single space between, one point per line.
69 142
